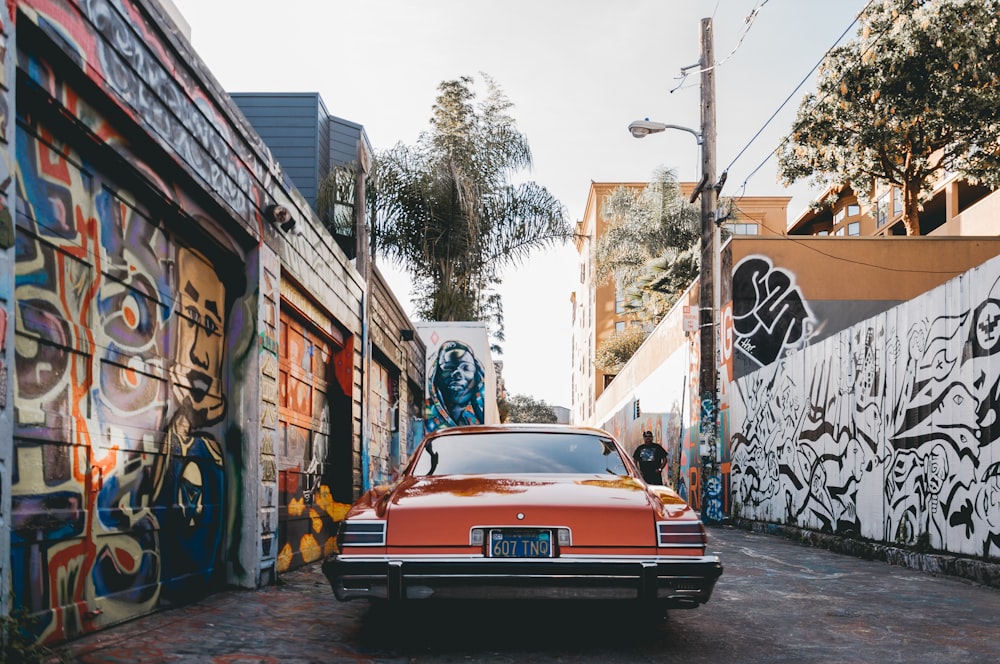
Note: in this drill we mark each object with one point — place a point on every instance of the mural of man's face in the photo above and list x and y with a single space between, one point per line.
200 341
456 375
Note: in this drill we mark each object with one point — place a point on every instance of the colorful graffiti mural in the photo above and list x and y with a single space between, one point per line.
307 512
456 387
889 430
119 475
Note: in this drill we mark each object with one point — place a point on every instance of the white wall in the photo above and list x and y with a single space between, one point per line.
889 430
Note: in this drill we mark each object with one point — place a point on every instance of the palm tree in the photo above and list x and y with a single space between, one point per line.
446 211
650 245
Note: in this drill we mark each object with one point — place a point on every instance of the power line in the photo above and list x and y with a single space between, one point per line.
806 78
747 23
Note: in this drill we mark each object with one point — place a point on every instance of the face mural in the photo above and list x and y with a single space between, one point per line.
200 343
457 388
193 482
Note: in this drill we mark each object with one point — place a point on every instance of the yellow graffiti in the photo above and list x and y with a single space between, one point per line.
317 522
284 558
309 548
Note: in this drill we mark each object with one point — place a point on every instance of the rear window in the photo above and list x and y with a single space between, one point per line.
517 453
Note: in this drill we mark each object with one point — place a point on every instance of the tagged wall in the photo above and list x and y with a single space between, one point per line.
657 391
888 430
119 471
142 344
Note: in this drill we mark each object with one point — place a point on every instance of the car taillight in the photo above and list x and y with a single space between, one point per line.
681 534
362 533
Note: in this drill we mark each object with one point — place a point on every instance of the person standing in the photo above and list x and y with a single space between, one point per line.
651 459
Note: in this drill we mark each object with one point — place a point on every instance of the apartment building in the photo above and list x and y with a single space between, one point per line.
598 308
955 208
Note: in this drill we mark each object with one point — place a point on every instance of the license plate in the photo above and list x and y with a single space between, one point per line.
520 543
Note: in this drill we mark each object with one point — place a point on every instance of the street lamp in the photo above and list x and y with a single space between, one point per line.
708 425
643 128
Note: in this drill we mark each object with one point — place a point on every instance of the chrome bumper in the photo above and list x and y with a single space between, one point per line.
674 582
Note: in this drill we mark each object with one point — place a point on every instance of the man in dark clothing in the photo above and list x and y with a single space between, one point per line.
651 458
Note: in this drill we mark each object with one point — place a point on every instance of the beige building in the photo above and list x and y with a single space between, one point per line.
956 208
598 308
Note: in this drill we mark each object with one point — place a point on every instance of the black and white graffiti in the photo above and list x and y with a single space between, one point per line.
889 430
769 312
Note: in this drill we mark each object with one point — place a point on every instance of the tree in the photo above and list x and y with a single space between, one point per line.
915 95
650 246
445 208
528 409
618 348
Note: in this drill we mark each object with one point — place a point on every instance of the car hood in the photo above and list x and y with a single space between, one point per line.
600 510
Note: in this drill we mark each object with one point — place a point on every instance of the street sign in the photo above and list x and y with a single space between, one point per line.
690 319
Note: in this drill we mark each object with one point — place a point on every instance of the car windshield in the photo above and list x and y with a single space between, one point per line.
519 452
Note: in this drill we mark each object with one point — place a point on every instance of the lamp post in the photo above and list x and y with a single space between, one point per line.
708 423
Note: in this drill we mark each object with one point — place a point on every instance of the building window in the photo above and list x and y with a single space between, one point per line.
838 216
840 232
853 210
897 202
619 295
882 210
854 228
823 233
743 229
619 326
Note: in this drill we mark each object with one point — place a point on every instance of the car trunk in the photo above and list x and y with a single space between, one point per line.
599 510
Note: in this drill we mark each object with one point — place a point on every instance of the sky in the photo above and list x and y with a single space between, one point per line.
577 71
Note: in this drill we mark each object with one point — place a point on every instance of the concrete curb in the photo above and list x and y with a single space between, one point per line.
972 569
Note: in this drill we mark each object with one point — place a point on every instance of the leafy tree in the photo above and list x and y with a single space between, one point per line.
650 246
446 210
528 409
915 95
618 348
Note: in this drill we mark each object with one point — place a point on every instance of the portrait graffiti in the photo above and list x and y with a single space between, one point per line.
456 388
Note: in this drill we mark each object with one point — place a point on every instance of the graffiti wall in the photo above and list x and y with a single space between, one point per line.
657 390
461 381
888 430
311 421
119 469
7 169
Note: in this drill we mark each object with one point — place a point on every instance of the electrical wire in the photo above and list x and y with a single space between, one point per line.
803 243
747 23
772 153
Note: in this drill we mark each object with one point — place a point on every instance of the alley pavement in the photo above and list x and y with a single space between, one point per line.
777 601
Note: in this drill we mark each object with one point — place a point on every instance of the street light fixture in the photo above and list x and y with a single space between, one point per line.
643 128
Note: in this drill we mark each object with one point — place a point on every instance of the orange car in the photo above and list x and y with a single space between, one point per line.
523 511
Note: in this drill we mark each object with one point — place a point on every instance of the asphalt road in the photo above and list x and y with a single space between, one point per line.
777 601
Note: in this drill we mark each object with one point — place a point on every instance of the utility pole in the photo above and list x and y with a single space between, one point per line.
711 508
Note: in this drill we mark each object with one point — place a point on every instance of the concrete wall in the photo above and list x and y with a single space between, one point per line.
888 430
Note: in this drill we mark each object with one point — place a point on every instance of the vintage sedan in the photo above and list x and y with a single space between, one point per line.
523 512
